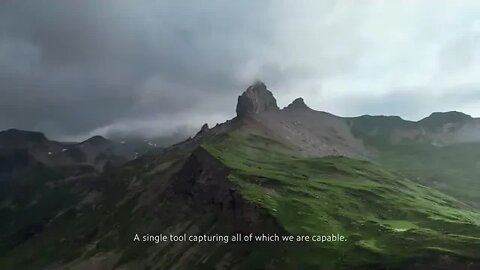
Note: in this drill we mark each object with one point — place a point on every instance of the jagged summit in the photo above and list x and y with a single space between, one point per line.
298 103
256 99
205 129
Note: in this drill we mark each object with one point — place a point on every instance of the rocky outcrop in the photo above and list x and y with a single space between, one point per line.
203 131
256 99
202 184
297 104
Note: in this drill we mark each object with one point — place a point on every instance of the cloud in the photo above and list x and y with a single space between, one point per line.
74 68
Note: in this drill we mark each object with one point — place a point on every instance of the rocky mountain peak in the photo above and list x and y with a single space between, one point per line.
205 129
256 99
298 103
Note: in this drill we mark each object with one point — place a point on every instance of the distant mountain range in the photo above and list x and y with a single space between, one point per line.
405 194
30 147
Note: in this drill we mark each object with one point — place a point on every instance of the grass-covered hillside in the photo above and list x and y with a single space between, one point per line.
245 181
389 221
425 151
453 169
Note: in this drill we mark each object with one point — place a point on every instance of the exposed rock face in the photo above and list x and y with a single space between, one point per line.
298 126
256 99
298 104
202 184
204 130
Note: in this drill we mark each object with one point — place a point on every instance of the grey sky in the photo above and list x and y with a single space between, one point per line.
75 68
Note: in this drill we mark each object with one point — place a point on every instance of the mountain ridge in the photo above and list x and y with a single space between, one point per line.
293 171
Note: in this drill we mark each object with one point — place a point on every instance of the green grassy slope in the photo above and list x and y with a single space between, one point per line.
453 169
377 131
387 219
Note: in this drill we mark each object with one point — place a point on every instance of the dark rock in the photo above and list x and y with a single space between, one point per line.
204 130
97 140
256 99
299 104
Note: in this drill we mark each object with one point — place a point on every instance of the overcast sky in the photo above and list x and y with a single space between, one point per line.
76 68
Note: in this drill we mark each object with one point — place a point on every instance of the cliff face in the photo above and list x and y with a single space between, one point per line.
256 99
202 184
297 104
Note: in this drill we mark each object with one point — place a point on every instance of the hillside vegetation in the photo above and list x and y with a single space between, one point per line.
387 219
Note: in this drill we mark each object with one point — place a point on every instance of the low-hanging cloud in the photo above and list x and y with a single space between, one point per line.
75 68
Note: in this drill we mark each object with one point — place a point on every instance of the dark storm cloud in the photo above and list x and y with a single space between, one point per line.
69 67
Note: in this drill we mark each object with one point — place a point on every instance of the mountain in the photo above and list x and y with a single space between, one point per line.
441 150
95 151
41 178
310 132
438 129
289 172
